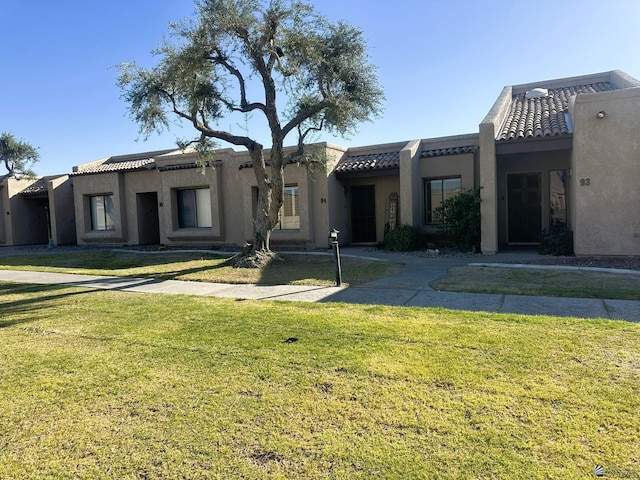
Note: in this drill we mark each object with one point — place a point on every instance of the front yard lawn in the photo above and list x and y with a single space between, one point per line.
294 269
107 384
531 281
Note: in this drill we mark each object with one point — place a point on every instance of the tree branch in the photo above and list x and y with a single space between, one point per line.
301 138
303 115
245 106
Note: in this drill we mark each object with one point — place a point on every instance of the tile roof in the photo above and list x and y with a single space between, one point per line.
36 188
115 166
183 166
249 163
122 163
440 152
544 116
371 161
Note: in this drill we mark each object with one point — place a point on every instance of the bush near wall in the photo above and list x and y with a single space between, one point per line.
461 219
404 238
557 241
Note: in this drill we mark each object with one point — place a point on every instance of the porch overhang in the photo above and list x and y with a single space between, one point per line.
388 172
534 145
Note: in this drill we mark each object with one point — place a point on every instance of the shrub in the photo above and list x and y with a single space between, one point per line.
461 219
404 238
557 240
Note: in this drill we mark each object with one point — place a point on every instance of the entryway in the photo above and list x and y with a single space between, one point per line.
524 207
148 220
363 214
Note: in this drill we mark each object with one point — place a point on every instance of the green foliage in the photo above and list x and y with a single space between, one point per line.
557 240
210 66
404 238
461 219
278 59
17 156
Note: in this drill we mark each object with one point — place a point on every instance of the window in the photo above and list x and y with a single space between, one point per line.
436 191
102 212
290 213
194 208
557 197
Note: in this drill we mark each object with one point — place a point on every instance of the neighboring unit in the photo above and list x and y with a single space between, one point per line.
36 211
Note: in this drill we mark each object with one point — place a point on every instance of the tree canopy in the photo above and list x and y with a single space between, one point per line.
277 59
17 156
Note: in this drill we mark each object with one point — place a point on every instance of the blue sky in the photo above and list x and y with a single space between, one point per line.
441 63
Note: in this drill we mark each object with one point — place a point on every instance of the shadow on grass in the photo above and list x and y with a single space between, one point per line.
318 269
22 308
103 260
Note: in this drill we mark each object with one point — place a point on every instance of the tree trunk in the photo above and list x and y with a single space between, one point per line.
262 235
264 222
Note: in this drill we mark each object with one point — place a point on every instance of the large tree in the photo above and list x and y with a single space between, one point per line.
277 59
17 156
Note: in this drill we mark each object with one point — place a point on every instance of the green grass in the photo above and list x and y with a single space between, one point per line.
556 283
107 384
293 270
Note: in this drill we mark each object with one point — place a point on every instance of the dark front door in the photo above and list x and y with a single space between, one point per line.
524 204
363 214
148 219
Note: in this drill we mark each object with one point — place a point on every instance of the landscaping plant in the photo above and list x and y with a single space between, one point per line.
461 219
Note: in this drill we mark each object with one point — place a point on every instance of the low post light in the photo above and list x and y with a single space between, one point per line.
333 243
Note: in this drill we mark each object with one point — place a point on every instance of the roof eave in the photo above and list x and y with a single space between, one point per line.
539 144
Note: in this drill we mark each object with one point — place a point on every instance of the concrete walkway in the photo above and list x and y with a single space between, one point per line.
409 288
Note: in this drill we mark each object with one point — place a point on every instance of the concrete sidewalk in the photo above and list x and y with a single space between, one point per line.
409 288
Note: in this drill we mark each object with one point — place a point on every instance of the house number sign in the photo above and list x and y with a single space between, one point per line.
585 182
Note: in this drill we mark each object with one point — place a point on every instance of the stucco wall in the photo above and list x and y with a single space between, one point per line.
136 182
606 173
61 208
409 194
335 213
462 166
27 218
488 172
5 225
171 180
102 184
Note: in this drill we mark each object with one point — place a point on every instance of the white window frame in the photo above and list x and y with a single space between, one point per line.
201 203
102 212
289 216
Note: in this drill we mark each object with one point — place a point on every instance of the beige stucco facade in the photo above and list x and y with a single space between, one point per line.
559 152
598 154
146 205
488 176
36 211
605 166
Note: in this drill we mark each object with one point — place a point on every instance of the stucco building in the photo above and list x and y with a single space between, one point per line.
563 150
166 197
558 152
36 211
